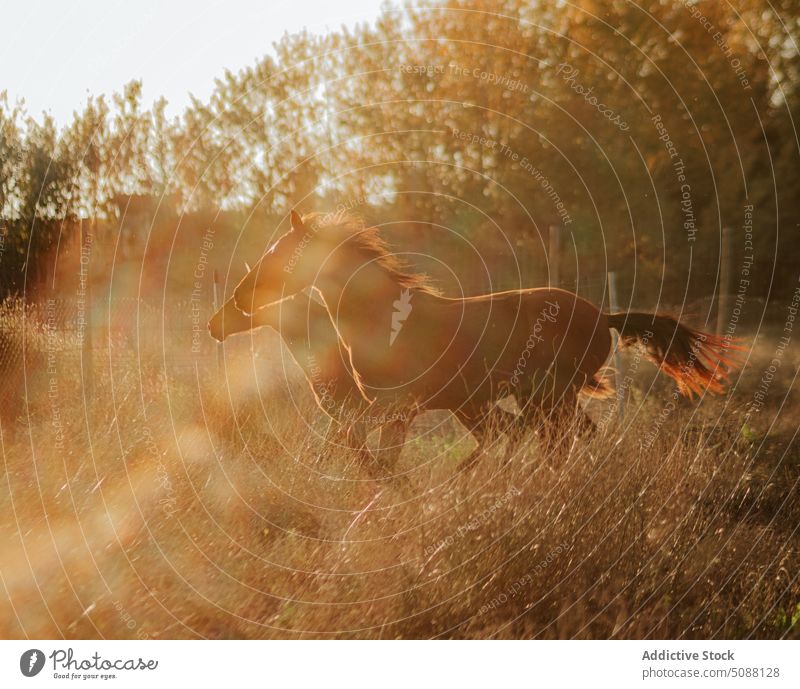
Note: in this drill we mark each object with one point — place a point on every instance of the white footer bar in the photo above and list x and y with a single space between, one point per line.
401 664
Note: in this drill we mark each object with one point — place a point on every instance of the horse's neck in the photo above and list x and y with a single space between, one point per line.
360 301
265 317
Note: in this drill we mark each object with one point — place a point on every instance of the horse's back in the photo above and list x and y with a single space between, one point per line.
583 333
571 329
518 334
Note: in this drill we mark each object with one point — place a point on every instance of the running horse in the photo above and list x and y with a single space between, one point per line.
422 350
313 342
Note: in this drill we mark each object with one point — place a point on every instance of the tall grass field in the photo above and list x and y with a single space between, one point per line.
160 496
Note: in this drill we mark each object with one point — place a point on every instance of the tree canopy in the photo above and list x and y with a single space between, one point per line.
642 130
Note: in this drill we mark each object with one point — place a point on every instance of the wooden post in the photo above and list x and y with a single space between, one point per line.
613 305
725 273
554 256
87 368
215 306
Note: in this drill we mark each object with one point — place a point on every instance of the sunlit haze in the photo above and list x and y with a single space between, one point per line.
93 47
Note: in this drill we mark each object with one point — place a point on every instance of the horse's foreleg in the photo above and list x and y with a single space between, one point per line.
356 440
356 434
391 441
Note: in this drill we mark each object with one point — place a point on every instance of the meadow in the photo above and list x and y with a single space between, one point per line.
187 501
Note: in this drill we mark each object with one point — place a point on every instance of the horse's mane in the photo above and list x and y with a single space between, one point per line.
368 242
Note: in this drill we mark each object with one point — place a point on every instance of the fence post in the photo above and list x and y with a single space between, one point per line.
554 256
724 297
84 285
613 305
215 306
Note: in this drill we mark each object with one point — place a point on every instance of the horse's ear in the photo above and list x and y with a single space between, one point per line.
297 221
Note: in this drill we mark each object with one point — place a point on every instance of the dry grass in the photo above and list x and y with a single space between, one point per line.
180 506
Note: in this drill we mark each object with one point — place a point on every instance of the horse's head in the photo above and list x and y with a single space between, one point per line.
288 266
228 320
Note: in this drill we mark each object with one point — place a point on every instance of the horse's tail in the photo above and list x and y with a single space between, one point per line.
695 360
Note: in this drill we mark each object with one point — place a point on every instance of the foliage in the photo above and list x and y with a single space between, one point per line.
370 112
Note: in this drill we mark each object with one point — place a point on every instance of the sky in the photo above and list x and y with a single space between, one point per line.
55 53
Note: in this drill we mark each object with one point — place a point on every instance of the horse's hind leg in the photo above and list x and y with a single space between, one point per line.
390 444
552 408
484 426
561 424
474 425
584 422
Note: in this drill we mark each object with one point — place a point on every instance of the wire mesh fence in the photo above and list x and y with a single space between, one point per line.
68 332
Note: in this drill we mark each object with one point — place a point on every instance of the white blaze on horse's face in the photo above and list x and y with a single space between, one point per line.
280 272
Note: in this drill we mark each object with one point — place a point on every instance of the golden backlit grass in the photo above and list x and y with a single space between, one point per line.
182 503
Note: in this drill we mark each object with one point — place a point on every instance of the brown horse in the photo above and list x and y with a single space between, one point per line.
423 350
305 326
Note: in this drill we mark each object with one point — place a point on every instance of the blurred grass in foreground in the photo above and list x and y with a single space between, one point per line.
186 504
